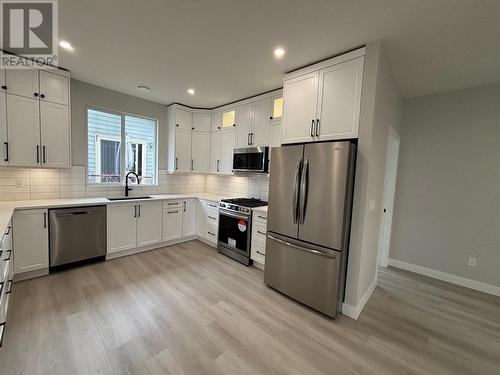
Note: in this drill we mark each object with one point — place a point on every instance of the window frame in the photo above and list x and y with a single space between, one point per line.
143 142
99 138
123 149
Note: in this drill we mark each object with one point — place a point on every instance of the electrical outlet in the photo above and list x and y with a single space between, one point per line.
472 261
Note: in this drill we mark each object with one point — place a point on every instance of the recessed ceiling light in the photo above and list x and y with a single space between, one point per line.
143 88
66 45
190 91
279 52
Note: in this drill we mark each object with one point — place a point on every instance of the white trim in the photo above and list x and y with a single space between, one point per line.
354 311
99 138
448 277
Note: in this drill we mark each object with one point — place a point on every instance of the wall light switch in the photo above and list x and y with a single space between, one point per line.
373 202
472 261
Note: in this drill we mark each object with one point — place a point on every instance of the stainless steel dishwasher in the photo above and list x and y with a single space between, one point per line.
76 234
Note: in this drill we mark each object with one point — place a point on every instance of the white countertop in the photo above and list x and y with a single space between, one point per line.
262 209
7 208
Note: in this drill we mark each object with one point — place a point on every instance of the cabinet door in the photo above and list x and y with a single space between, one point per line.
215 138
261 121
122 231
172 224
149 223
201 122
227 138
183 119
31 240
200 218
244 125
22 82
3 129
200 152
54 88
2 79
275 135
182 150
23 131
216 122
339 100
55 135
188 217
300 97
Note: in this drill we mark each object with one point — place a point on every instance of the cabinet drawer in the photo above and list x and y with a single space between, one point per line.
212 217
6 242
258 236
211 233
260 217
211 204
258 251
6 263
172 203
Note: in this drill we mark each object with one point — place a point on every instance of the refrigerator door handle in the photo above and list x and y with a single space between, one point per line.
303 191
296 191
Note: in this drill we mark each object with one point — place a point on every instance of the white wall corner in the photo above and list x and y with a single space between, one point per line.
354 311
448 277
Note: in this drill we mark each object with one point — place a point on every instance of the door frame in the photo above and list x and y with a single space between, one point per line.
391 170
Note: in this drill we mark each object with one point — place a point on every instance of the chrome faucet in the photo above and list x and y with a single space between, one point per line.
127 189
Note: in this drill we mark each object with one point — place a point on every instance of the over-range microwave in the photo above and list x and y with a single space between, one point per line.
251 159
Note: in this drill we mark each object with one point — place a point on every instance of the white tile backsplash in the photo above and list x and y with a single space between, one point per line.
25 184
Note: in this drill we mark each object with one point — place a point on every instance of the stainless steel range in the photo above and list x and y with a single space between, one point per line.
235 227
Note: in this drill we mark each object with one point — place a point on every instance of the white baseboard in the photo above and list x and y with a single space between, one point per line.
354 311
448 277
141 249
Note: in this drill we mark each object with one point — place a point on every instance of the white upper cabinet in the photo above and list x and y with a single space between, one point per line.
244 125
188 217
200 152
183 119
54 88
227 143
149 223
3 129
23 131
182 150
201 122
216 122
322 102
22 82
215 152
339 100
261 121
300 96
55 137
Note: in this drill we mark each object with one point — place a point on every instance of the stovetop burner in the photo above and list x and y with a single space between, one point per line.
247 202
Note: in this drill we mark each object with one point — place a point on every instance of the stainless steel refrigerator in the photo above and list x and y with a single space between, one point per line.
309 214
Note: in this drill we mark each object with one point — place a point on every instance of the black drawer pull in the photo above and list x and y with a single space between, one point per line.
262 217
173 212
2 332
1 287
10 287
210 233
258 252
261 232
10 252
8 231
211 217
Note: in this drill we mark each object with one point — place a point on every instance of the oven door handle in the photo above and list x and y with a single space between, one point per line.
230 214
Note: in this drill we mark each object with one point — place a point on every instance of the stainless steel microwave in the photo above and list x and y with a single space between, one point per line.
251 159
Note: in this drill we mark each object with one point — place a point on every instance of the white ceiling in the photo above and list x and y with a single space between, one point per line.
224 48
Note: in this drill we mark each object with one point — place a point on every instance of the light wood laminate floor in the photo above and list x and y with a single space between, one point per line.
187 310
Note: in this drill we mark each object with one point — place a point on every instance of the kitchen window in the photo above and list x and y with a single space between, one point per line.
120 143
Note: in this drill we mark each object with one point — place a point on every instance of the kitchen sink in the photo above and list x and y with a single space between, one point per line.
127 198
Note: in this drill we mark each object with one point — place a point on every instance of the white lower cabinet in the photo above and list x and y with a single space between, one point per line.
172 223
258 244
122 228
31 240
149 223
188 217
201 207
207 220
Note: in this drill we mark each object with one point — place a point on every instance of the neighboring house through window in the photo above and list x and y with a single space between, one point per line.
119 143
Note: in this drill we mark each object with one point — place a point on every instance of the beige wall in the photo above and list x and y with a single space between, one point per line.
447 204
84 95
381 107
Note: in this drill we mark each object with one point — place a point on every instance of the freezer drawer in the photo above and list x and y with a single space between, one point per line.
303 273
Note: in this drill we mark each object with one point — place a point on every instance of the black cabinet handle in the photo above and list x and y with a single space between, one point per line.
192 128
258 252
45 220
261 217
43 155
37 153
4 87
234 124
42 96
10 253
35 94
261 232
270 118
7 232
9 287
192 164
211 217
135 210
312 128
173 212
176 163
251 138
218 127
317 127
177 125
210 233
184 206
217 165
6 151
248 139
